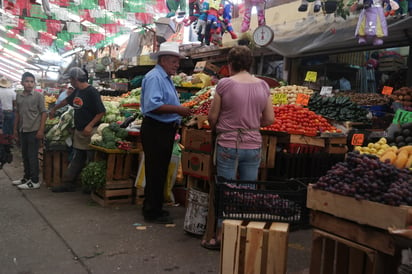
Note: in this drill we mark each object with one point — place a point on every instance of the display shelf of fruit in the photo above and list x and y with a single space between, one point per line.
365 177
286 95
199 97
365 99
295 119
402 136
49 100
403 96
400 157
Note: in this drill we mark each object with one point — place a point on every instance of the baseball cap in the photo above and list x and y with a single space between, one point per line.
75 73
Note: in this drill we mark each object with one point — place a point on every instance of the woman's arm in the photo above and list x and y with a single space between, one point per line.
268 116
214 111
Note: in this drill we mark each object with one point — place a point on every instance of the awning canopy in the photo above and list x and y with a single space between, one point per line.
330 34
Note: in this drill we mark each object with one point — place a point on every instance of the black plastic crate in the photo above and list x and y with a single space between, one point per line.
300 165
265 201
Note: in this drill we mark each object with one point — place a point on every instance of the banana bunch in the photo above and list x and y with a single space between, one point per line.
48 100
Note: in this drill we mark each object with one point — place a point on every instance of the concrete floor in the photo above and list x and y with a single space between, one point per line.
45 232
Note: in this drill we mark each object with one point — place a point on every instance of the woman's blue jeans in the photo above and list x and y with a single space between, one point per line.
242 164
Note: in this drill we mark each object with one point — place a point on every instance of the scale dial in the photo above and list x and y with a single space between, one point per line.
263 36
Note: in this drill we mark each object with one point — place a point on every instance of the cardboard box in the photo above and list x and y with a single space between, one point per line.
363 211
197 140
206 67
197 164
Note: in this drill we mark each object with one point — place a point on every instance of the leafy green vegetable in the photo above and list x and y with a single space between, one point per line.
93 175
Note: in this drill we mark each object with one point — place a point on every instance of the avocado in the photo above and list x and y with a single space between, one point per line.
408 139
401 144
407 125
406 132
399 139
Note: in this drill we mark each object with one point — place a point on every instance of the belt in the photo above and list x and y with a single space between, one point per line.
155 122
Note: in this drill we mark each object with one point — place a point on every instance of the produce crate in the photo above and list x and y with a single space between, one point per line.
270 201
303 165
197 140
197 164
336 145
391 63
302 139
108 197
119 183
55 163
332 254
119 86
254 247
360 211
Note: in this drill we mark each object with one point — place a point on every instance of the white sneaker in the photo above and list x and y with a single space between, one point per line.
29 185
19 182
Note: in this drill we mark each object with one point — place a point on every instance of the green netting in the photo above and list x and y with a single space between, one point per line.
136 5
88 4
59 44
37 11
36 24
64 36
104 20
73 8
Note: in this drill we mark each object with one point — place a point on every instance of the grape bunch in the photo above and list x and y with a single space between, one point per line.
364 177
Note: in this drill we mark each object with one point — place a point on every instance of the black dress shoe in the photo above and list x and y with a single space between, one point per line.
63 188
159 220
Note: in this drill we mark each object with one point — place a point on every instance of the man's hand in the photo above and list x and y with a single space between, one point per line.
184 111
87 131
40 134
16 135
51 113
1 131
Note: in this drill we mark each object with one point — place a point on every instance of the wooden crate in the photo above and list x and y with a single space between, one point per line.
119 178
108 197
139 196
371 237
336 145
268 155
55 163
302 139
254 247
197 140
332 254
360 211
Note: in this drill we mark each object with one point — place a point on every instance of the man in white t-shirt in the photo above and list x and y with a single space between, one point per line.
8 100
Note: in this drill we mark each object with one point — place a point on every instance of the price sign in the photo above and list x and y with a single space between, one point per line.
279 99
302 99
387 90
326 90
311 76
358 139
402 117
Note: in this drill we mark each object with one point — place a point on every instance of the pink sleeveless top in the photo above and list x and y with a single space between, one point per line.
240 113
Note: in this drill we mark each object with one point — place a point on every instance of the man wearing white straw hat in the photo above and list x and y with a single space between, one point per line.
162 115
8 101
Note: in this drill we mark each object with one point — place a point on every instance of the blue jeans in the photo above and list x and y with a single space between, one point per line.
8 122
231 162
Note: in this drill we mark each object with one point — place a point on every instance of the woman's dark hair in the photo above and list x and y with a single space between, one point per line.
26 75
240 58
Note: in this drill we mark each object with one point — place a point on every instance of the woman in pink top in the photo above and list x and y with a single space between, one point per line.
241 105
